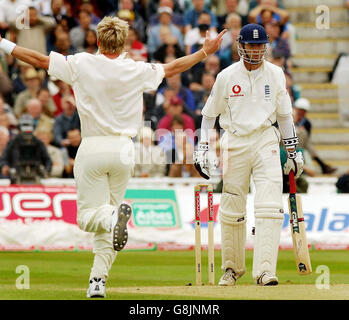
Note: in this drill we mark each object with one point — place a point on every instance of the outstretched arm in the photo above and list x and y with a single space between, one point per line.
184 63
32 57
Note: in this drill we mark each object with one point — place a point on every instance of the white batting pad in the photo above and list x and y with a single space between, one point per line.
233 236
266 245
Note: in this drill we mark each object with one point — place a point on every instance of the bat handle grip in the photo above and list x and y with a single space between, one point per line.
292 181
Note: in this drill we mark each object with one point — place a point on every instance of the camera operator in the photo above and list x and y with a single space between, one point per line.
25 158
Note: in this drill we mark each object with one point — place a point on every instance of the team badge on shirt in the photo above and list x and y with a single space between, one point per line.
267 92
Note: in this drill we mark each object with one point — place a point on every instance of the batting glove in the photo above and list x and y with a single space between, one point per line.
204 162
295 163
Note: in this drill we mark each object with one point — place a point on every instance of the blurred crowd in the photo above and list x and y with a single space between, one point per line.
160 31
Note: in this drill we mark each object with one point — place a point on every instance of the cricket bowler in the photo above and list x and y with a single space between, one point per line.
250 96
108 89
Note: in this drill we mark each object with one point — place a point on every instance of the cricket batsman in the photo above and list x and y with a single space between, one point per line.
250 96
108 90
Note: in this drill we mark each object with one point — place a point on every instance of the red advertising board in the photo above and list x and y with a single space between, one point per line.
38 203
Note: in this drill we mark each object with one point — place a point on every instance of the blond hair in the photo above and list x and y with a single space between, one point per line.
111 34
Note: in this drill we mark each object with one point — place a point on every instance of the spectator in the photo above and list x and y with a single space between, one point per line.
127 12
67 120
292 89
179 147
86 5
69 152
33 82
5 122
181 91
177 19
170 49
78 33
63 44
202 90
229 56
5 83
161 109
195 37
90 43
231 7
278 59
40 120
60 12
150 159
25 154
267 11
211 65
135 48
10 10
6 109
4 138
64 89
164 30
191 16
55 154
276 42
34 37
233 24
18 76
175 108
48 105
302 106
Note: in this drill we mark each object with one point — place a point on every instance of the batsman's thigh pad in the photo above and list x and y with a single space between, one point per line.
266 244
233 239
233 198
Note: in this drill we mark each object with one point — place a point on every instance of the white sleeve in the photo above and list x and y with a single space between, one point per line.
217 100
152 74
207 125
287 130
283 100
62 67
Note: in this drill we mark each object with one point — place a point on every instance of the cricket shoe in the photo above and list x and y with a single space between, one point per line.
119 226
266 279
228 278
96 288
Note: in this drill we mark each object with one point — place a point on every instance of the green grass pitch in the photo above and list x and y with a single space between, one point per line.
165 274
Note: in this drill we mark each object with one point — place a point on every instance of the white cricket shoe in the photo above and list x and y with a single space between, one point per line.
266 279
96 288
228 278
119 226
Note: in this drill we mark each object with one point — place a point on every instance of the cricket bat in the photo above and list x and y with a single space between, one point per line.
300 244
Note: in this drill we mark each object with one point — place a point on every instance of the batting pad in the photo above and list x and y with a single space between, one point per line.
266 244
233 237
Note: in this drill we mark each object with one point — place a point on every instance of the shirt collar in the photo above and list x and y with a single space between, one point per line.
243 68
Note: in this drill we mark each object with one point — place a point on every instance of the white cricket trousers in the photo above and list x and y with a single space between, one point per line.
102 169
258 155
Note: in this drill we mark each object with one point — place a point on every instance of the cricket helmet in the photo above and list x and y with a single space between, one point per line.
252 34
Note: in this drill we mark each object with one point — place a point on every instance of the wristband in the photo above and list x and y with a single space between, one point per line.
290 142
7 46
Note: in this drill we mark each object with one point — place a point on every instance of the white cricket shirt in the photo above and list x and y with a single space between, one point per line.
246 103
108 92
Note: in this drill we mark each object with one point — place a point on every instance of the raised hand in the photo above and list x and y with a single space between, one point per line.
212 45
